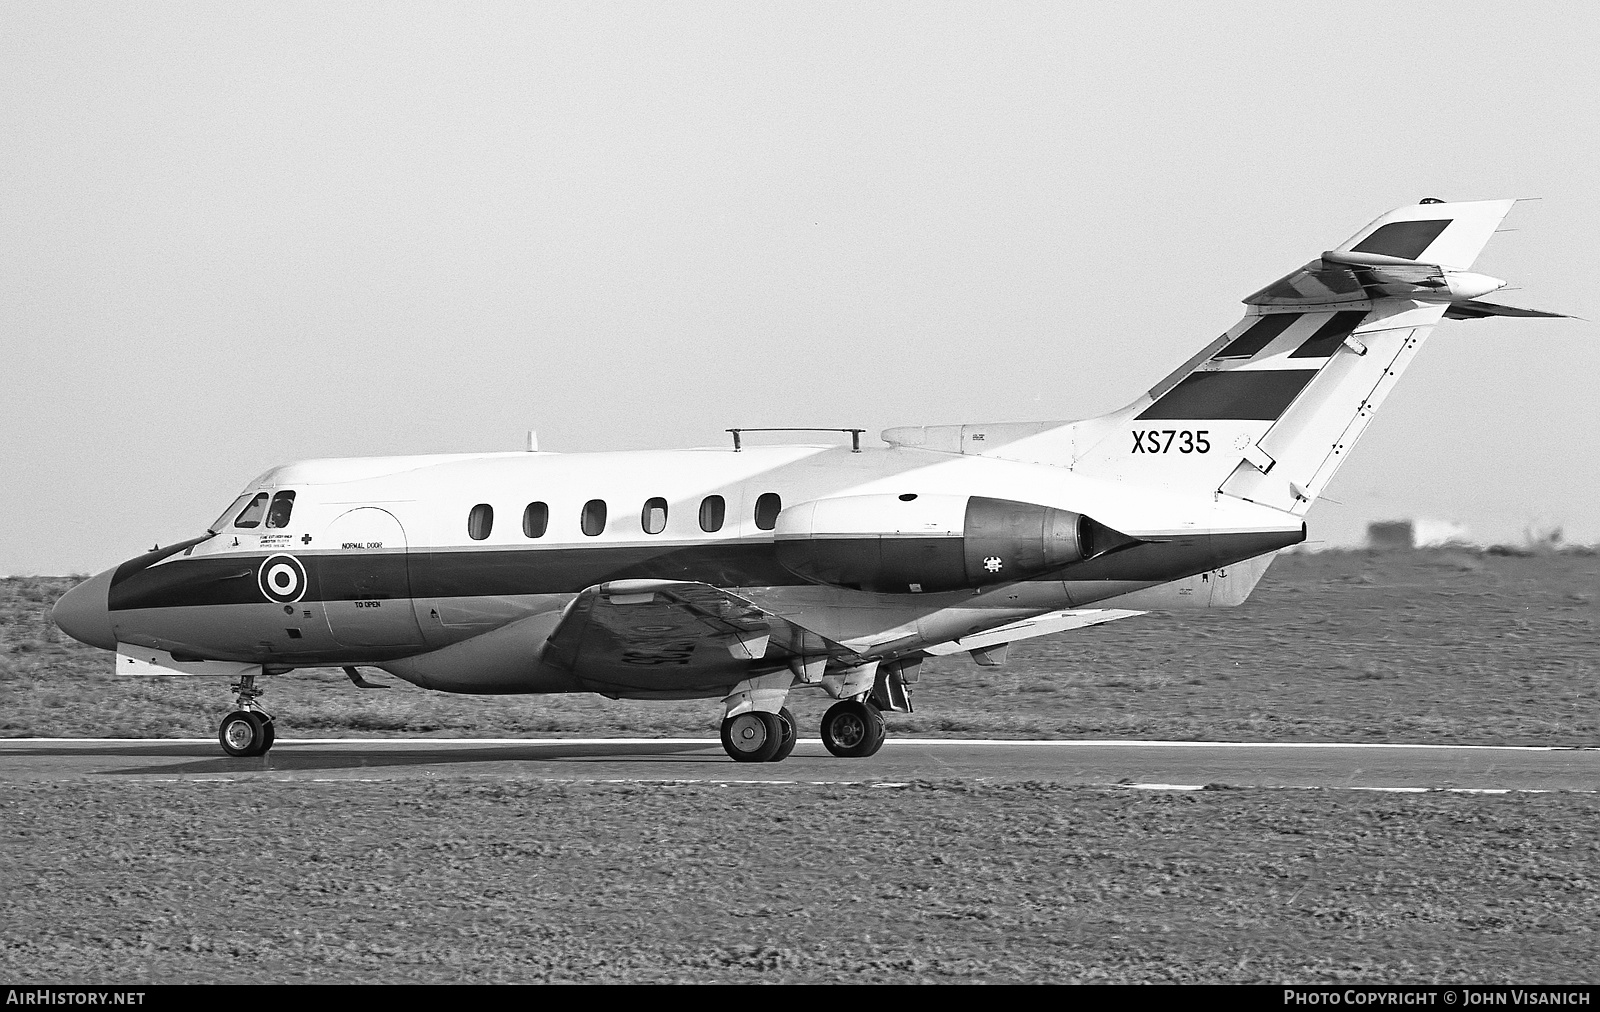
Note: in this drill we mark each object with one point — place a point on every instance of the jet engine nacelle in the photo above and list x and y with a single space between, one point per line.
923 544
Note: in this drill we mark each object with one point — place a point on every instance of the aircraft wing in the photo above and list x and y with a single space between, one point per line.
675 637
1039 625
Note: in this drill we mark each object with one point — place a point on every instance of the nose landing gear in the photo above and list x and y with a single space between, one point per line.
247 731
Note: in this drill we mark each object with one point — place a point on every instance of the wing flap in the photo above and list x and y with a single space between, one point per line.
670 637
1040 625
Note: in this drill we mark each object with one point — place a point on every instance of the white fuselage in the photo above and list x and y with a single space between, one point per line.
401 557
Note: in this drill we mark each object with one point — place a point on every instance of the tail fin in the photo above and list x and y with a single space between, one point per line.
1269 410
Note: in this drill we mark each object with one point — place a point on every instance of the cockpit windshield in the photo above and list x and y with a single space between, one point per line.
249 510
218 524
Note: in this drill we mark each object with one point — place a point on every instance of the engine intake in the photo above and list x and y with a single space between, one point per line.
924 544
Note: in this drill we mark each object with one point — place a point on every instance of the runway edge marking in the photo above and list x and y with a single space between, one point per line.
925 742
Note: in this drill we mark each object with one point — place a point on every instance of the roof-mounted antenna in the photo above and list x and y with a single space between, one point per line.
533 441
855 435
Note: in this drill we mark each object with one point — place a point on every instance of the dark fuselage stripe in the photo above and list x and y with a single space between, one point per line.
438 574
214 580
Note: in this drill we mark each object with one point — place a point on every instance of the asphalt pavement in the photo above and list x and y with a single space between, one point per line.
1151 765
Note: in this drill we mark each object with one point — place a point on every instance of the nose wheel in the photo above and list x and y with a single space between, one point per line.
247 731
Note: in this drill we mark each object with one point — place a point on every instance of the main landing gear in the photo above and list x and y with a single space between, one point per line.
757 737
760 729
248 730
852 729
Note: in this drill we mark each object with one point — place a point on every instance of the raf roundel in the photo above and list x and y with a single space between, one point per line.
282 579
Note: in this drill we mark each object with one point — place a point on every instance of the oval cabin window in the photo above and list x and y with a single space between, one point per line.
767 508
594 517
480 521
536 519
712 509
653 518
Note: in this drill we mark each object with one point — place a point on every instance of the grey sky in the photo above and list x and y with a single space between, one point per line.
232 236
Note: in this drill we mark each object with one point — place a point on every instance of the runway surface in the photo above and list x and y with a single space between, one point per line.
1146 764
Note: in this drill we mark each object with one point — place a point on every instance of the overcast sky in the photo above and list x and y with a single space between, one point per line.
234 235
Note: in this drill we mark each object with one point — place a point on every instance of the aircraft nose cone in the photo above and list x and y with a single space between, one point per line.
83 613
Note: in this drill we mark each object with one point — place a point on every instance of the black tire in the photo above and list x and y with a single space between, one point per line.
853 730
752 736
790 734
243 733
271 733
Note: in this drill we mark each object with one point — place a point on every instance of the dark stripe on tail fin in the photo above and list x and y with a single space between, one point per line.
1407 240
1258 336
1330 335
1260 394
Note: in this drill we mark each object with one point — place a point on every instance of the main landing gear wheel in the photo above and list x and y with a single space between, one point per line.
790 736
853 729
245 733
753 736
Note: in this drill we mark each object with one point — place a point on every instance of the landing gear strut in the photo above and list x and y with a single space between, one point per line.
247 731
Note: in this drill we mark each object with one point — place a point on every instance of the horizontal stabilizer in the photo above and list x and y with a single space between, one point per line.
1416 252
1474 310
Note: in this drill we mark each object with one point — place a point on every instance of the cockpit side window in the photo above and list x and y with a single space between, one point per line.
282 506
251 515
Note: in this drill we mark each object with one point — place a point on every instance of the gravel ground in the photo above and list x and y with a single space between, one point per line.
493 880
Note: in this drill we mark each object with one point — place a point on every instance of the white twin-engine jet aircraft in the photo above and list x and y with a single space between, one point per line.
742 573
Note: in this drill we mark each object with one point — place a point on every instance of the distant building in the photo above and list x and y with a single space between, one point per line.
1391 535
